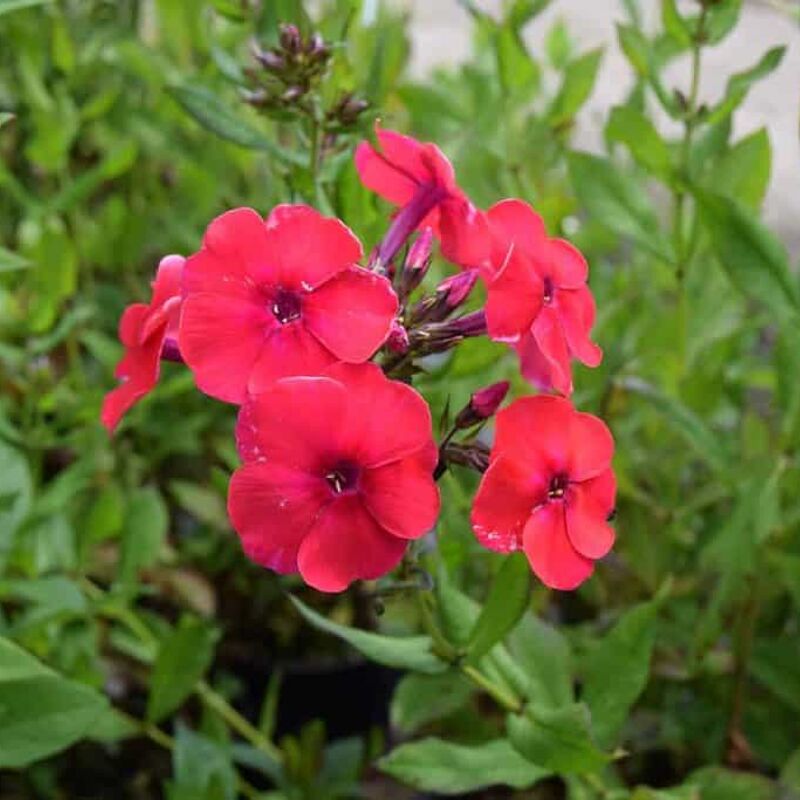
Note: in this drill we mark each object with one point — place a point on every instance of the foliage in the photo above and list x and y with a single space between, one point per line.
125 603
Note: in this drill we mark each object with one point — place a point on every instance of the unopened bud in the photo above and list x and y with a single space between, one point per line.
350 108
290 38
270 60
398 341
482 405
473 456
255 97
436 337
292 93
419 254
456 289
316 48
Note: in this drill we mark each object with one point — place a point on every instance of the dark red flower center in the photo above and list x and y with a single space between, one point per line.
343 477
558 487
549 290
286 306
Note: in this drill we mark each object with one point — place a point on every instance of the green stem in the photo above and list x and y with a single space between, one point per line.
217 703
690 121
503 698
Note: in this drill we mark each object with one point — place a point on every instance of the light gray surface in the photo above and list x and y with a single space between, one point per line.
441 35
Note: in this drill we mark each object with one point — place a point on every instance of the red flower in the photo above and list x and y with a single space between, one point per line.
549 489
147 332
418 177
338 475
265 300
538 299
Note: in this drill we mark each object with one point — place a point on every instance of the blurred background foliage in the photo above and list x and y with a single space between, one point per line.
139 651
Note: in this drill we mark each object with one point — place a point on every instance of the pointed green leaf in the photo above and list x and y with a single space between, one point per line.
615 199
183 658
632 128
558 739
433 765
576 87
743 171
420 699
674 24
408 652
756 262
506 603
617 670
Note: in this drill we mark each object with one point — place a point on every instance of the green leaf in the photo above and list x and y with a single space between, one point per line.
707 444
506 603
776 665
48 598
615 199
521 12
143 533
7 6
519 73
754 259
10 261
558 45
674 24
202 502
576 87
15 496
740 83
545 657
557 739
433 765
209 111
617 670
202 769
632 128
184 655
408 652
721 19
420 699
718 783
743 171
41 713
6 117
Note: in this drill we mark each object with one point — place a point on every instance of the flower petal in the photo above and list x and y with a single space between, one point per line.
506 497
169 279
352 313
235 254
220 339
296 422
386 420
347 544
309 248
514 299
588 507
464 233
379 175
272 507
515 222
552 344
402 496
535 368
591 447
567 264
551 555
138 370
577 311
288 350
535 431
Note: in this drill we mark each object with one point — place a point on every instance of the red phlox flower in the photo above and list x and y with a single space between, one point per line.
269 299
338 475
147 331
418 177
537 298
549 489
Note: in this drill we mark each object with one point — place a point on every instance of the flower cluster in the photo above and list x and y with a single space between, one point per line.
339 462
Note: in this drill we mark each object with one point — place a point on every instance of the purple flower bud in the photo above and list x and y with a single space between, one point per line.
482 405
419 255
292 94
290 38
456 289
271 60
317 49
397 340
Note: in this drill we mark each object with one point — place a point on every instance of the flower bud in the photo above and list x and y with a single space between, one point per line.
473 456
398 341
290 39
482 405
456 289
292 93
316 49
270 60
436 337
417 262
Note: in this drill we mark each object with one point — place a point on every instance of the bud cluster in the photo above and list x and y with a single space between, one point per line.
291 71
